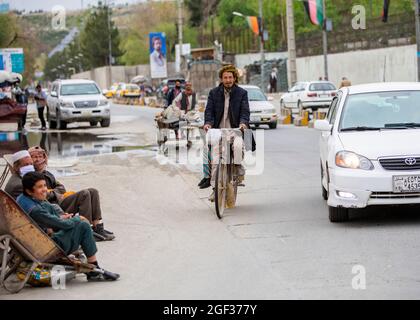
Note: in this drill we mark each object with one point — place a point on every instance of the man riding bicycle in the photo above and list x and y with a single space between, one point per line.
227 107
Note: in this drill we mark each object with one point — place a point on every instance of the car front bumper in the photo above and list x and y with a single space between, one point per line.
85 114
355 188
263 118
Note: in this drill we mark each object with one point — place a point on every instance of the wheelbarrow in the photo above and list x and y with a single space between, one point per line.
29 253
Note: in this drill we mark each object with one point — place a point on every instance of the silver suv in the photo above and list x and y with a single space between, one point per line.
77 101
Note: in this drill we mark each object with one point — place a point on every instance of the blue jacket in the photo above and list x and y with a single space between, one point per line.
238 107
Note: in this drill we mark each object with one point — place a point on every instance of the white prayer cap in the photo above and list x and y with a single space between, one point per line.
20 155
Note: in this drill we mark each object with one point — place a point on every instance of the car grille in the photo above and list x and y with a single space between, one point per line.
406 163
391 195
86 104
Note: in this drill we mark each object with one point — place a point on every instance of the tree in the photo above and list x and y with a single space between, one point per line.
94 39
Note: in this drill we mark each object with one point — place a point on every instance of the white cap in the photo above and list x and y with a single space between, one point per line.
20 155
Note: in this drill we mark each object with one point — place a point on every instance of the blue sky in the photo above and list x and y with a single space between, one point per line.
47 5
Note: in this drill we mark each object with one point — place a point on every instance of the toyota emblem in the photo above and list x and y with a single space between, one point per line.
410 161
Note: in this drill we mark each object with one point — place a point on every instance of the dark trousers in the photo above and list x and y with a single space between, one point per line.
80 235
41 116
85 202
273 86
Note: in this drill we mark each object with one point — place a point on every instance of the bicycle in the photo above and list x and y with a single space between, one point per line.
226 179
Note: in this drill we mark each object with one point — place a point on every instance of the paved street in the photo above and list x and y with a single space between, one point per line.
277 244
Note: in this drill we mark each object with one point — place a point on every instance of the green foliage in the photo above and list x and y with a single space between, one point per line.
94 39
7 29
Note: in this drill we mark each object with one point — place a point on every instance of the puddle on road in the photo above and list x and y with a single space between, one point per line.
66 145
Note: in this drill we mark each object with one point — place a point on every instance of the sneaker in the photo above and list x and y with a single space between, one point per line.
102 275
106 231
201 182
98 237
206 184
99 230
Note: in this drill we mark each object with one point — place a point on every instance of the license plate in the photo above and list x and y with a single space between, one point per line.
85 113
255 118
404 184
324 95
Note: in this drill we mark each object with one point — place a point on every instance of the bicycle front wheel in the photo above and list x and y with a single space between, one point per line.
220 189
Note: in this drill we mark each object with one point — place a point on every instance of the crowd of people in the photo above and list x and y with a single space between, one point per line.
73 219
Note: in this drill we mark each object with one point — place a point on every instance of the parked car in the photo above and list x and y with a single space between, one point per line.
128 90
262 110
111 93
369 147
309 95
77 101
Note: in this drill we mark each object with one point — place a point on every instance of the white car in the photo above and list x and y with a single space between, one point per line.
77 101
309 95
370 147
262 110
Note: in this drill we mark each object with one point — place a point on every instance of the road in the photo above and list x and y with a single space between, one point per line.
276 244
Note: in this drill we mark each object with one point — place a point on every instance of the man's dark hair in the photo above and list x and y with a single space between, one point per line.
30 179
156 38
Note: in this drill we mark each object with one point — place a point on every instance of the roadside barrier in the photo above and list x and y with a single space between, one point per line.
316 115
302 119
286 116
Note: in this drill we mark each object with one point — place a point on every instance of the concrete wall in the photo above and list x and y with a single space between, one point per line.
119 74
387 64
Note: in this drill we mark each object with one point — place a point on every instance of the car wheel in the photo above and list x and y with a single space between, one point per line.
324 191
299 105
105 123
93 123
273 125
338 214
282 105
62 125
52 124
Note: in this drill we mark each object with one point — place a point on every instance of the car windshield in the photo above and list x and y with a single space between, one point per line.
256 95
79 89
383 110
322 87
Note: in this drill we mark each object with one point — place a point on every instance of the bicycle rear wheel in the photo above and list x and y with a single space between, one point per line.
220 189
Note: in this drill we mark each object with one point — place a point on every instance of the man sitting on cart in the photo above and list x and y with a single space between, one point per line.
67 230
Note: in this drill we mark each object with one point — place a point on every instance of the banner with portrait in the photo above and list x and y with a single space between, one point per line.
158 62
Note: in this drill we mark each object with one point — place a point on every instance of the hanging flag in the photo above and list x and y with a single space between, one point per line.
385 11
314 9
253 24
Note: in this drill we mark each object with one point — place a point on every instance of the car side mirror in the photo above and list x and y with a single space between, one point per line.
54 94
322 125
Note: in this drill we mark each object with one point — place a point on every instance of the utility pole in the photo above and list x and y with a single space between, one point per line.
109 42
291 42
180 31
416 6
262 46
325 40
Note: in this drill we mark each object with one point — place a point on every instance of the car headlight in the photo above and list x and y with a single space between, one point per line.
351 160
103 103
66 104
